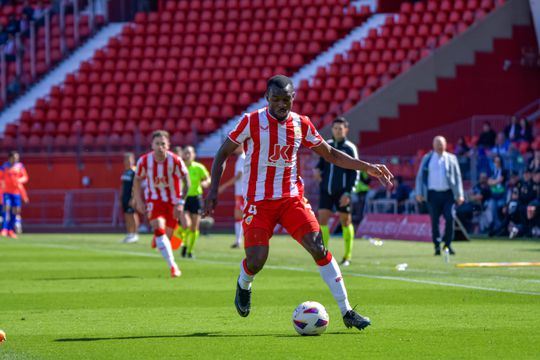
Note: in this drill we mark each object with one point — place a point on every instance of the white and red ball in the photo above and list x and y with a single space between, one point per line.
310 318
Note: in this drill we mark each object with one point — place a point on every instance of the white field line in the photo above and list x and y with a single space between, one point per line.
275 267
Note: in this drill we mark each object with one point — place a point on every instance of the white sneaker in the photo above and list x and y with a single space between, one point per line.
514 232
18 228
175 271
130 239
346 263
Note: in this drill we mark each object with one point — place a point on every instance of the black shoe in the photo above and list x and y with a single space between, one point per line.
242 301
437 251
352 318
190 256
235 246
450 250
184 251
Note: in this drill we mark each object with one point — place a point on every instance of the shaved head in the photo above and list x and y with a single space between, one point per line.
439 144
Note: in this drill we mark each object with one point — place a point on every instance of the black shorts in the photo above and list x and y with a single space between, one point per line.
193 204
126 207
331 202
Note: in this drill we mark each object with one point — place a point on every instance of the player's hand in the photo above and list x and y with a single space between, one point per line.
344 200
210 203
382 173
460 200
419 198
178 211
220 190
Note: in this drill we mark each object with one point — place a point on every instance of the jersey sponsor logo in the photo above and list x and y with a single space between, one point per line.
280 156
264 128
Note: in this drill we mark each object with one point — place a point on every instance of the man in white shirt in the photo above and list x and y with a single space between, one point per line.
439 183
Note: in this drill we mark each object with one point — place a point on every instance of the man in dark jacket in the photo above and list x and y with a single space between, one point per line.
336 185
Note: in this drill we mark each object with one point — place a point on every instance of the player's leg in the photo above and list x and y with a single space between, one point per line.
238 222
14 221
348 236
324 212
131 220
308 235
435 210
449 222
194 233
260 218
6 214
160 216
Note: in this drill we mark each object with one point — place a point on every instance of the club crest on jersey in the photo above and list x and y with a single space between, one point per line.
280 156
249 219
297 132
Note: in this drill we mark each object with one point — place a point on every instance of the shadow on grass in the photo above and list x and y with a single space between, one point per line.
92 278
196 335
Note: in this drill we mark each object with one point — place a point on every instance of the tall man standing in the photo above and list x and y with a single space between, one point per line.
336 185
439 182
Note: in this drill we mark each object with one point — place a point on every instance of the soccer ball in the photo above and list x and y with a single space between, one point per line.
310 318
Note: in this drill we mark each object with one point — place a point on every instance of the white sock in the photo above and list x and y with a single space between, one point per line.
244 279
238 231
332 277
164 246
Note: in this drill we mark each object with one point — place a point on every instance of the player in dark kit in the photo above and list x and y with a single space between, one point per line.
131 217
336 185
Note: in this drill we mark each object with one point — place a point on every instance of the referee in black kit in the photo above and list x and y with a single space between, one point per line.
336 185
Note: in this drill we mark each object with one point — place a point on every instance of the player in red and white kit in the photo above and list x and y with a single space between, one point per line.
274 192
236 180
167 185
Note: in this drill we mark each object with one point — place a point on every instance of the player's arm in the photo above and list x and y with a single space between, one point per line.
218 166
317 171
23 176
343 160
205 181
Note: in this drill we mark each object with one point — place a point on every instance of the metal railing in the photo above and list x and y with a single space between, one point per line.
23 49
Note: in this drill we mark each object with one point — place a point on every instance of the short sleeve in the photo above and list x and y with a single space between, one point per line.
310 135
141 168
204 172
241 131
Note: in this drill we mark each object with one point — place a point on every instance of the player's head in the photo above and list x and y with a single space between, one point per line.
160 143
189 154
340 128
280 96
439 144
177 150
129 160
13 156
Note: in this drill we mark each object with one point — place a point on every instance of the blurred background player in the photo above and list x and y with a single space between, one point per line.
238 194
166 188
180 231
199 179
14 177
275 194
336 186
131 217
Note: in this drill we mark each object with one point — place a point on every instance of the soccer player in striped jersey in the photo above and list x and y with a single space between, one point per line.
14 176
167 184
236 180
273 190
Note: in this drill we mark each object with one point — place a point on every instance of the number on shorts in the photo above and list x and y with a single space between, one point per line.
252 210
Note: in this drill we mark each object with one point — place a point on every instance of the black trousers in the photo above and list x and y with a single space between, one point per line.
440 203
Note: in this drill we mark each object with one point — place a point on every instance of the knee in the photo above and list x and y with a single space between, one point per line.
255 263
313 243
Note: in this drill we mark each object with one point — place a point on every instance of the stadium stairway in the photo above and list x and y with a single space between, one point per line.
424 75
56 77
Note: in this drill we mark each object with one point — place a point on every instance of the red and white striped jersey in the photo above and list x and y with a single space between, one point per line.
271 147
163 179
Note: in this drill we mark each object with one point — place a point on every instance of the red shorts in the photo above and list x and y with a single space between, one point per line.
294 214
156 209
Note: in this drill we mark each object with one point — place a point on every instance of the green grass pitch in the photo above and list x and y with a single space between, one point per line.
90 297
